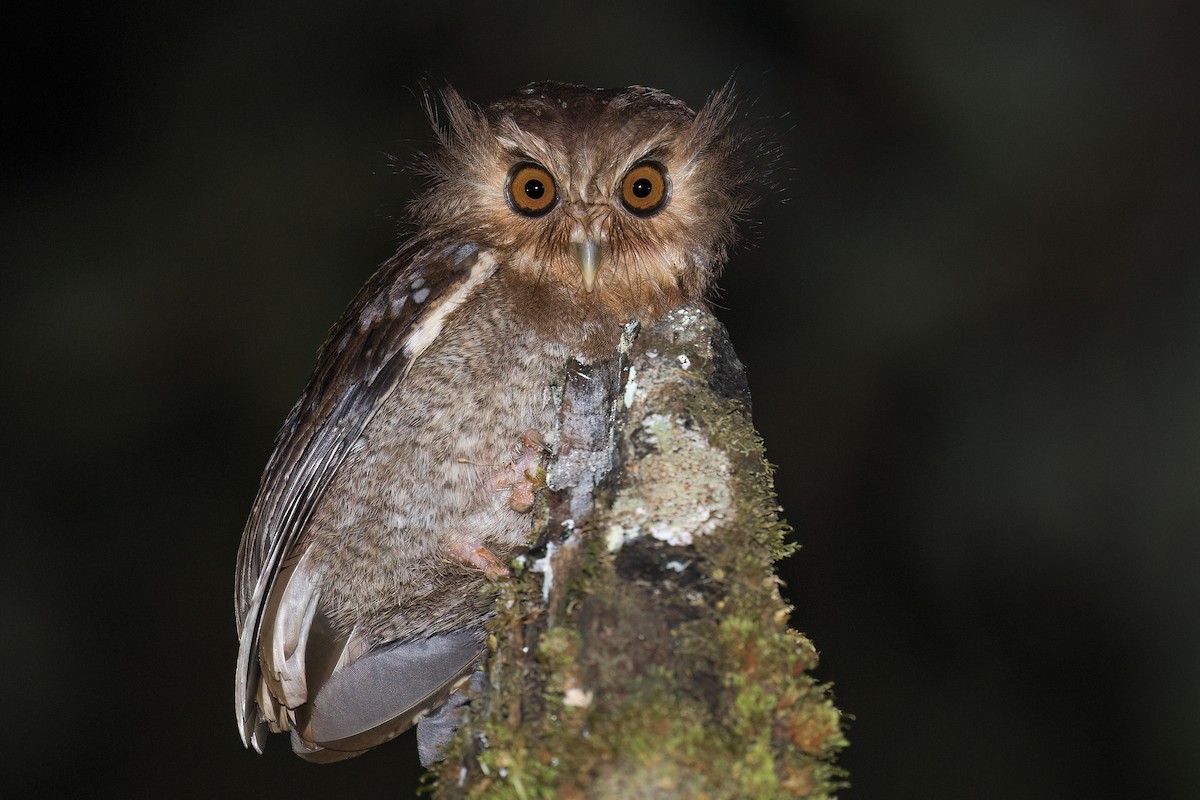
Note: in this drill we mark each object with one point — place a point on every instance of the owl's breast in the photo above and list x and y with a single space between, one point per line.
426 464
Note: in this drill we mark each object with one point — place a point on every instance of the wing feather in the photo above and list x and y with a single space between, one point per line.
367 353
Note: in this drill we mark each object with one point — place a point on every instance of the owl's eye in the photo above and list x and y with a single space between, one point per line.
531 190
644 188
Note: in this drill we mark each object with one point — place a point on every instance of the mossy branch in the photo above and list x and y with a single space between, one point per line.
642 650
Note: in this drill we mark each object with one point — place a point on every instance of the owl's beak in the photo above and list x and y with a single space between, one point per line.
587 257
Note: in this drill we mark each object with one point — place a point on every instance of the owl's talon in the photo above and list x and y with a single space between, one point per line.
531 439
525 475
474 553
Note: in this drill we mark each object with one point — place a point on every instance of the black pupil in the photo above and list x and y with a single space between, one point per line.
534 189
642 187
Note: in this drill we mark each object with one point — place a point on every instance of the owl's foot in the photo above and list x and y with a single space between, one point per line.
521 478
525 475
474 553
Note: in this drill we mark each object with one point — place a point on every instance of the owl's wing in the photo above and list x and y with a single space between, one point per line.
394 318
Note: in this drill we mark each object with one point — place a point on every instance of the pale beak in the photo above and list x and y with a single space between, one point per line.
587 257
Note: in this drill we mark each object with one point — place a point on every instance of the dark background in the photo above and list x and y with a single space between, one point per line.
970 325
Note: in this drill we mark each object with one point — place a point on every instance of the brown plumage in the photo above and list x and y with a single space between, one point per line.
551 218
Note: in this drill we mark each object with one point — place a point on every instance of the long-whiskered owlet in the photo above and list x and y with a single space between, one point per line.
402 480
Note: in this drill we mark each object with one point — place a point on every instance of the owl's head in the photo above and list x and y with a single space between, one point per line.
624 197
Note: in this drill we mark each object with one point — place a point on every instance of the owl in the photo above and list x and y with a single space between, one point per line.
402 480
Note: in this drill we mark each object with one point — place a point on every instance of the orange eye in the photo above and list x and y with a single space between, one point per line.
644 189
531 190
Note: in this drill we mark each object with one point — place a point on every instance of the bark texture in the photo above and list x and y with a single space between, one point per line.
641 649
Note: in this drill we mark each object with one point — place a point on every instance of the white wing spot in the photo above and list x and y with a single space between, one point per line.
420 295
417 284
424 333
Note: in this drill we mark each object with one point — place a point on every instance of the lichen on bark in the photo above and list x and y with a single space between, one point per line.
641 649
